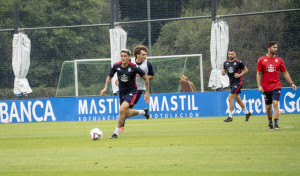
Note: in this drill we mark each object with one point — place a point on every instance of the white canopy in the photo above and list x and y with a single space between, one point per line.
118 39
218 54
21 63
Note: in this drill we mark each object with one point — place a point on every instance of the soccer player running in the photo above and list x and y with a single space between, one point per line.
140 53
235 69
127 72
268 67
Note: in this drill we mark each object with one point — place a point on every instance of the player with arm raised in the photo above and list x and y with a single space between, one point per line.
126 72
268 67
140 60
235 69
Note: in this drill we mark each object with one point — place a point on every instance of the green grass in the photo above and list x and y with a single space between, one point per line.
188 146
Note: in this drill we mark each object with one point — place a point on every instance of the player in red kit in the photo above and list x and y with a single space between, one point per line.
268 81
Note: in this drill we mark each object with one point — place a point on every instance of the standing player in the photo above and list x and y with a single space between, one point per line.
269 66
233 68
140 53
127 72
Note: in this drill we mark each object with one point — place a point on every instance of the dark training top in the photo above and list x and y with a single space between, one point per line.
126 76
234 67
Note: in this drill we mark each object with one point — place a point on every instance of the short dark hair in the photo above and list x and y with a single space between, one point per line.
126 51
271 43
137 50
231 50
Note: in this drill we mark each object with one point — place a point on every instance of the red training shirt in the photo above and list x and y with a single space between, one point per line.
270 68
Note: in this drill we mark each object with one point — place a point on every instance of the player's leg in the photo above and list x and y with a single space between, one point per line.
129 98
123 127
242 105
133 112
235 90
122 114
268 102
230 98
130 115
276 114
269 114
275 99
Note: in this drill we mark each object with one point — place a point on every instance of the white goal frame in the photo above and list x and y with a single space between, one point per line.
149 57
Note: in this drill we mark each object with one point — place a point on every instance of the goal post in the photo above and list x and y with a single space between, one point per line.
196 56
76 70
86 77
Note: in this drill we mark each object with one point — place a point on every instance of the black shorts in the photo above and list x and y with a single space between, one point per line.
272 95
138 96
129 97
236 88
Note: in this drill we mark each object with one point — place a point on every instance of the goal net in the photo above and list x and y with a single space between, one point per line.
87 77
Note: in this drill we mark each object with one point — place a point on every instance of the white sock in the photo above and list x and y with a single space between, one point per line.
230 114
117 131
141 112
246 111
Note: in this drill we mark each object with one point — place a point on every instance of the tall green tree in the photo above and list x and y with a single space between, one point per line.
134 10
50 47
248 34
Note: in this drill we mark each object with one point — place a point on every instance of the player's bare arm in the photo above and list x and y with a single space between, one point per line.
244 71
223 72
150 77
146 96
107 83
289 80
258 80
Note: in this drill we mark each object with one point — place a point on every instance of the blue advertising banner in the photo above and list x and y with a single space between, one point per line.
171 105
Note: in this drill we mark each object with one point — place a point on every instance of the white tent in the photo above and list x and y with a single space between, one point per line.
118 39
218 54
21 63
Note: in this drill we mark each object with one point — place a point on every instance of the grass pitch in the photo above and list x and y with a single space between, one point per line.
187 146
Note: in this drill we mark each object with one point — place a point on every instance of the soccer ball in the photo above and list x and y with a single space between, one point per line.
96 134
281 111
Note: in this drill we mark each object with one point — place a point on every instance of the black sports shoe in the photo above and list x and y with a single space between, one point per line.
228 119
271 127
114 136
276 127
248 116
146 113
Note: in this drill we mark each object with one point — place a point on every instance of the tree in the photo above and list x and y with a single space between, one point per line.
50 47
133 10
248 34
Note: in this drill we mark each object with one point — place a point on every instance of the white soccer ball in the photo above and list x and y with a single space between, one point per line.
96 134
281 111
